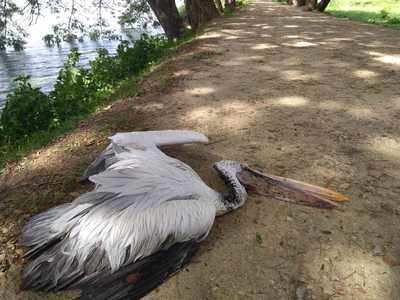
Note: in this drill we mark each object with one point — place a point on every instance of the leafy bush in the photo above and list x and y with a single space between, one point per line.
394 20
104 71
70 95
27 110
77 91
147 50
384 14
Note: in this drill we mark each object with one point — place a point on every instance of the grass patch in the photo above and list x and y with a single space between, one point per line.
383 12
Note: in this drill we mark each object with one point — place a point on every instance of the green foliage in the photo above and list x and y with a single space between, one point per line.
31 118
70 96
136 14
259 238
11 33
27 110
241 3
147 50
51 40
104 72
384 12
228 11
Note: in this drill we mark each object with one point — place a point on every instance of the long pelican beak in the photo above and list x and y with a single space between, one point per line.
289 190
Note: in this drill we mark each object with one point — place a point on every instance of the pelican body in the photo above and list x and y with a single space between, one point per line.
143 221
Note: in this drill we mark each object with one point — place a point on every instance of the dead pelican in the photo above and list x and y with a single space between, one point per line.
143 221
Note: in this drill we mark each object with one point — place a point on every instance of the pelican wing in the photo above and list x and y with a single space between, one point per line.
140 206
137 140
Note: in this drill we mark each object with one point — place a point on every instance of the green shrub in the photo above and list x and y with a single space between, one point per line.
71 95
146 50
104 71
27 110
384 14
394 20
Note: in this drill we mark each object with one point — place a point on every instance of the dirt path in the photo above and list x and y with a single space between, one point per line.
297 94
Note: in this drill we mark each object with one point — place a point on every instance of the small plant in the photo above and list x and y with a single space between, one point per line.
259 239
27 110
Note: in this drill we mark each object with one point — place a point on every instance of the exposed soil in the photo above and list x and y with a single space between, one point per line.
293 93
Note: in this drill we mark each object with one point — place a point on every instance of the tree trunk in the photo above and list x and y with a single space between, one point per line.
219 6
299 3
323 5
311 5
200 11
168 16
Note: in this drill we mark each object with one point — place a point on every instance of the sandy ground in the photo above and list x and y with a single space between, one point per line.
293 93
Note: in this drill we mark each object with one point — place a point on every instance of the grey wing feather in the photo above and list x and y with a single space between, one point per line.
141 140
99 164
117 234
160 138
142 203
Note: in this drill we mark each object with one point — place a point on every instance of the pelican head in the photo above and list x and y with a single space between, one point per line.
227 168
242 179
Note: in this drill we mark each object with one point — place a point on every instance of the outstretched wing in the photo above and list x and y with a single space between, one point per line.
146 139
136 280
140 206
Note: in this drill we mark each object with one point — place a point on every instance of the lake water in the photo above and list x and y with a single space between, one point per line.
43 63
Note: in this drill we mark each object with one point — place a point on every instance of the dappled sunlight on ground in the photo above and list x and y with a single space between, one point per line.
264 46
331 105
345 269
396 102
365 74
224 118
291 93
209 35
299 75
316 107
386 58
200 91
290 26
232 37
291 101
388 146
362 113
